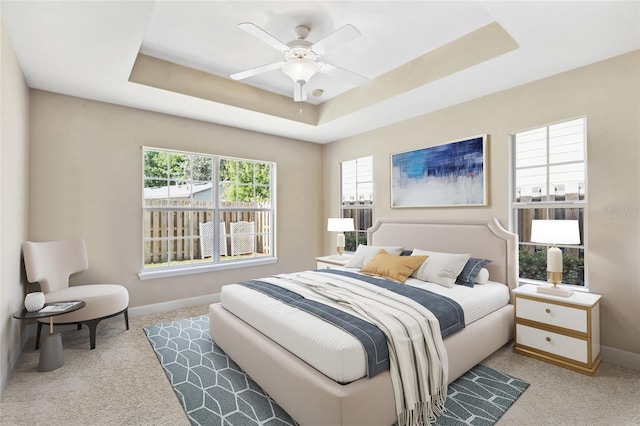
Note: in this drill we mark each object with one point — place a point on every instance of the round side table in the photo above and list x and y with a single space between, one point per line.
51 354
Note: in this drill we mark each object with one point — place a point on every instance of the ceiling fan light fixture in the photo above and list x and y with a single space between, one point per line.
300 70
300 57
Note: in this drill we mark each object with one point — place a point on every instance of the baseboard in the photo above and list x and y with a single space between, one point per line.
172 305
620 357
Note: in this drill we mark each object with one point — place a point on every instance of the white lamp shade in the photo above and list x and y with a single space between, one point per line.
338 224
555 232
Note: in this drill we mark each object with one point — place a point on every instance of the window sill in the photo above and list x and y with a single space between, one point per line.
189 270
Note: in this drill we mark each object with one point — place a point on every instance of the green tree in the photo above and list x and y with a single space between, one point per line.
245 181
176 168
533 265
201 168
163 167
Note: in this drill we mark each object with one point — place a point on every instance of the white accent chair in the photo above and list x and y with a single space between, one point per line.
242 238
51 263
206 239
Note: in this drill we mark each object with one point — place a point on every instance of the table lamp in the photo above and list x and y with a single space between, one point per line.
340 225
555 232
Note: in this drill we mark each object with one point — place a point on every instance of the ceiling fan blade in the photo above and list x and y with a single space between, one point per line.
261 34
342 74
299 93
337 38
255 71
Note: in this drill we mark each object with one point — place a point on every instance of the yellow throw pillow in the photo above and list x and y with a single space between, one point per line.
396 268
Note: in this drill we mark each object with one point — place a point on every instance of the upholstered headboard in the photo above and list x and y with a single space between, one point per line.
482 238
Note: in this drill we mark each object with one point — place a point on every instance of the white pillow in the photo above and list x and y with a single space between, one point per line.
365 253
482 277
440 268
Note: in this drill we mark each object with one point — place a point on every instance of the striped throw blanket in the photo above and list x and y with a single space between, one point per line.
419 364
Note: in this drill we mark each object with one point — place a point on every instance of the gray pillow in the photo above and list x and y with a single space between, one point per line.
470 271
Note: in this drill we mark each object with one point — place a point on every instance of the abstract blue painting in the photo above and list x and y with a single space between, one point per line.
452 174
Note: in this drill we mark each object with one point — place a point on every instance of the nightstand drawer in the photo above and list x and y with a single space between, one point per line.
554 343
554 314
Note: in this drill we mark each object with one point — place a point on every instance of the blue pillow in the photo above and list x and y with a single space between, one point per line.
406 252
470 271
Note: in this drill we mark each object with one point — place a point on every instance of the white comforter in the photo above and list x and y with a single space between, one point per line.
332 351
418 359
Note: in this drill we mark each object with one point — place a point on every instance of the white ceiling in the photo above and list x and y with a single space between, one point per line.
88 49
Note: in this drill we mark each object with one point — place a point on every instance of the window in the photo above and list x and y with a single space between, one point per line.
549 183
356 178
203 212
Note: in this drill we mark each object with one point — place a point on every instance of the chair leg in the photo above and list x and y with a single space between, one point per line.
38 335
93 324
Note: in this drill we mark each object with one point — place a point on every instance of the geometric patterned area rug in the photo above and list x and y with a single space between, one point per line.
213 389
480 397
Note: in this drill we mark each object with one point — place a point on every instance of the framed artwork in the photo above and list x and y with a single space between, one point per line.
452 174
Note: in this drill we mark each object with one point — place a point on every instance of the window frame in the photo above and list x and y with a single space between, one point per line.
358 212
546 205
213 211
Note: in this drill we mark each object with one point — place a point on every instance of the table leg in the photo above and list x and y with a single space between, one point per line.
51 354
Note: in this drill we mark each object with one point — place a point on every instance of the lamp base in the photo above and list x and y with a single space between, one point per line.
554 290
554 278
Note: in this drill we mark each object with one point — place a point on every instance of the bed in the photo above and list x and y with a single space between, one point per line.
312 397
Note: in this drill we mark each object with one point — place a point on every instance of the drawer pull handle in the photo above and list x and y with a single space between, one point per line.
548 310
548 339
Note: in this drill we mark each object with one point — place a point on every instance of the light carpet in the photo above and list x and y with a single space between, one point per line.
214 390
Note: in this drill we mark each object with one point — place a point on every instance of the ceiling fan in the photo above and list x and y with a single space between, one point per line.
301 56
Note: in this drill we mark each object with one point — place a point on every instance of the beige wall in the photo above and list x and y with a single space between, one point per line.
86 181
14 181
608 94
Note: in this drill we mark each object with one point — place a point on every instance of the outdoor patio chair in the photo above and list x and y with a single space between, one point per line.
242 238
206 239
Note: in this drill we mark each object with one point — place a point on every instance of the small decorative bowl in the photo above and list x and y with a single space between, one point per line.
34 301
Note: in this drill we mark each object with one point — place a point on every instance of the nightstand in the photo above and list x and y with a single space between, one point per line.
564 331
328 262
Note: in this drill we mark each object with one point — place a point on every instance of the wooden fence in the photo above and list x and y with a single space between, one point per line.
174 234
